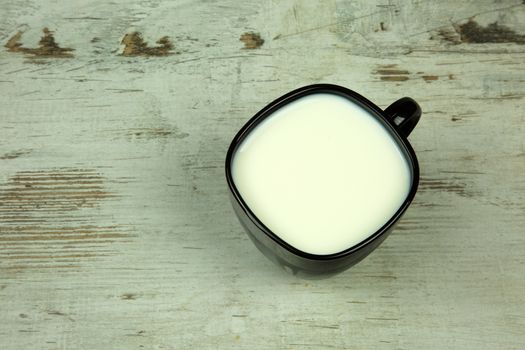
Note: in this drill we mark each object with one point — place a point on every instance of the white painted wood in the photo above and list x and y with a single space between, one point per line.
115 226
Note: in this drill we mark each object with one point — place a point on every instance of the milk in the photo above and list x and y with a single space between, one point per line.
321 173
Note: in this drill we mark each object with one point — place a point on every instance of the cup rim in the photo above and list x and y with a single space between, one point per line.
353 96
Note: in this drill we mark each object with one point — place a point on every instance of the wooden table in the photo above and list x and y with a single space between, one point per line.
115 226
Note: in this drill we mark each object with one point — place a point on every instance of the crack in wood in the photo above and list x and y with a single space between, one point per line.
14 154
156 133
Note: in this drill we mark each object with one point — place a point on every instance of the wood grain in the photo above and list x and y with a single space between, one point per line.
115 226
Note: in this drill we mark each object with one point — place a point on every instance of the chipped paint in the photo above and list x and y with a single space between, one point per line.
394 78
47 46
251 40
390 72
443 185
156 133
42 221
134 45
429 78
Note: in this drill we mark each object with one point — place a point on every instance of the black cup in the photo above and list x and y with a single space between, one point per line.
399 119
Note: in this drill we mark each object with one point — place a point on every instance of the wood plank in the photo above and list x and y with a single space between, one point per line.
115 226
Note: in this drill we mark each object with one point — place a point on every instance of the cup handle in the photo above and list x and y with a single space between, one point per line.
405 114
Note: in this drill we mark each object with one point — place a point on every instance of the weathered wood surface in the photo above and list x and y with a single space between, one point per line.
115 226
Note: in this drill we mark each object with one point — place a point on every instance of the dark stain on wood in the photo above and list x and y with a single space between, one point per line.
251 40
14 154
47 46
134 45
472 32
23 316
46 218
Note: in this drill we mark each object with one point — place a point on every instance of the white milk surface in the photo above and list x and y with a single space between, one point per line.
321 173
